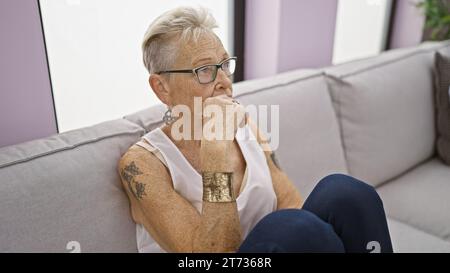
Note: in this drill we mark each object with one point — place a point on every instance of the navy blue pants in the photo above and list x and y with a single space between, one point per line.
342 214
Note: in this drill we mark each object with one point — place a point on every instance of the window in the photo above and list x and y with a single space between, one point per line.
95 57
361 29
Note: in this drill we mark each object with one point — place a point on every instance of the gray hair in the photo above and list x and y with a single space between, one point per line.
162 37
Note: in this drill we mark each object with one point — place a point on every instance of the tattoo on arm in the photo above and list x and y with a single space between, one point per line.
275 160
128 174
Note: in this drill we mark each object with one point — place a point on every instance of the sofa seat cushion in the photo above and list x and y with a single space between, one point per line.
66 188
420 198
407 239
309 145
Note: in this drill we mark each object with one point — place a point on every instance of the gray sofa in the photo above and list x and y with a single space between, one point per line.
371 118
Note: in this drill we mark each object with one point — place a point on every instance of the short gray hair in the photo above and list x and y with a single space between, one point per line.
159 47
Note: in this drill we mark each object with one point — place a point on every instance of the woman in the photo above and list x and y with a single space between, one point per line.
207 194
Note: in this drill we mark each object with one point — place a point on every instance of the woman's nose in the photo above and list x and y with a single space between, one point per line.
223 81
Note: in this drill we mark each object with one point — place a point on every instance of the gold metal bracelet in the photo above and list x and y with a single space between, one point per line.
218 187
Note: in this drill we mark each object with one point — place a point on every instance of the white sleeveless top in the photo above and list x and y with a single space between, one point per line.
257 197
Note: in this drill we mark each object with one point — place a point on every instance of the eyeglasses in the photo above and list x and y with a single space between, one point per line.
207 73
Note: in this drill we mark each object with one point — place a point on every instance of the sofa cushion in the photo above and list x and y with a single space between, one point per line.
66 188
420 198
386 111
407 239
309 142
393 55
442 86
148 118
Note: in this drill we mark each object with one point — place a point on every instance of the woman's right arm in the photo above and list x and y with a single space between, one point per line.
169 218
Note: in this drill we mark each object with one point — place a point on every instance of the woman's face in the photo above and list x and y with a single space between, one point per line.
182 88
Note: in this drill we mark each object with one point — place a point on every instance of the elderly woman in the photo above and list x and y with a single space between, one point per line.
191 194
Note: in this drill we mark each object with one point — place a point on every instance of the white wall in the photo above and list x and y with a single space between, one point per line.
361 29
95 59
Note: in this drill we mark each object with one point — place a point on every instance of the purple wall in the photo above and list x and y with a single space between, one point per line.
408 25
26 105
307 34
282 35
262 28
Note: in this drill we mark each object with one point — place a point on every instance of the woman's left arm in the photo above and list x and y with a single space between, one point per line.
287 194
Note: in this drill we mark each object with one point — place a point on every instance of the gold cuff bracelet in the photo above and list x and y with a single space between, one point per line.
218 187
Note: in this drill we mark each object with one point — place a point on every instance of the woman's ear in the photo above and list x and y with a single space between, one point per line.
160 87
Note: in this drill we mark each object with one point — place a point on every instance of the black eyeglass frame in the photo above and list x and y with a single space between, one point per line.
194 70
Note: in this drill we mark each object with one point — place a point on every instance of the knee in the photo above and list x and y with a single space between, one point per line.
296 230
345 191
292 218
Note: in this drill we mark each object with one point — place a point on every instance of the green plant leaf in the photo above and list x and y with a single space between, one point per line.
437 14
446 20
435 33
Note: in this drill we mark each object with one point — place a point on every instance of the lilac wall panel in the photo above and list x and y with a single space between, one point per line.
262 30
26 104
407 27
283 35
306 33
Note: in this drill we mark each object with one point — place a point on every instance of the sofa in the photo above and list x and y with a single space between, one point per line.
372 118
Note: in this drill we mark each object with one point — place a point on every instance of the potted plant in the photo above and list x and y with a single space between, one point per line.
437 19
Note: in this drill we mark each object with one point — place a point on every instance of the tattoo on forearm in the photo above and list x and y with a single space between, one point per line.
275 160
128 174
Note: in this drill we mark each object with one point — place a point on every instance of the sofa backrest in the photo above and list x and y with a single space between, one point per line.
66 188
149 118
385 108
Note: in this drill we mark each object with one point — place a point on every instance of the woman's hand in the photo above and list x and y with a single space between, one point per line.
220 110
225 115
